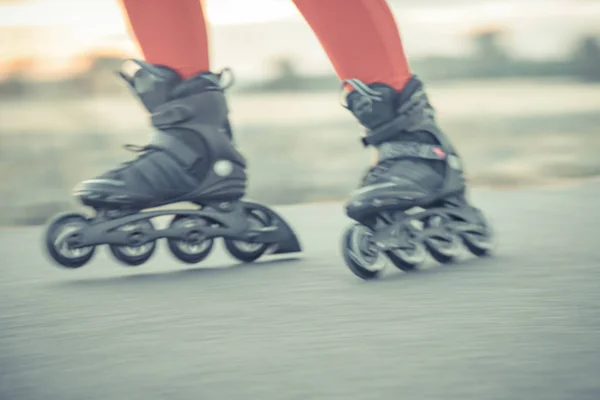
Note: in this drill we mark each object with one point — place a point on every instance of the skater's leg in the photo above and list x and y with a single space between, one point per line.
414 198
360 38
170 33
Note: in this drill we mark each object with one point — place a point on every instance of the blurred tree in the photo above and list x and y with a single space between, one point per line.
19 66
488 45
99 77
490 57
15 82
586 59
285 71
285 75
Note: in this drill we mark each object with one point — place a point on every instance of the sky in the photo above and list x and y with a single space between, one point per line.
78 12
70 12
62 28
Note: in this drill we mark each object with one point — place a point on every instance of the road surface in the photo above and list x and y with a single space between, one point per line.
522 325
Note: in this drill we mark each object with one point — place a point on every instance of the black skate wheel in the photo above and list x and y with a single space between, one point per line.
194 249
481 245
480 242
441 243
443 250
62 238
402 261
135 254
360 254
246 251
408 259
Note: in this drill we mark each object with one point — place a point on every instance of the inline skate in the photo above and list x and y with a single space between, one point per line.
191 158
413 202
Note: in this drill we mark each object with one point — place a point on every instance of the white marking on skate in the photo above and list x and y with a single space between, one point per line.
415 222
223 168
454 162
373 187
414 210
106 181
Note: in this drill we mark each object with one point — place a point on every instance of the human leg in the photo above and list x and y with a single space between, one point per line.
170 33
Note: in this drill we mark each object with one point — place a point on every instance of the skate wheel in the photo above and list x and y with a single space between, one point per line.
247 251
409 258
360 254
135 254
443 249
480 241
62 240
443 245
480 244
195 248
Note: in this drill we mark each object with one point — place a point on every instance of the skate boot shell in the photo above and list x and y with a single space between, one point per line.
413 202
191 157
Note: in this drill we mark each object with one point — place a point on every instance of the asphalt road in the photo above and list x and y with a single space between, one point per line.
522 325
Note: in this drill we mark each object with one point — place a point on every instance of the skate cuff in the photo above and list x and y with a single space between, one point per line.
398 150
387 132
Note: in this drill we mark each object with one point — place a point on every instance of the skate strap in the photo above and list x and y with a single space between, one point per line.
172 113
187 109
397 150
387 132
174 147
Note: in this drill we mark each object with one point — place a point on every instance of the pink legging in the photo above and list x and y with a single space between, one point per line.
360 37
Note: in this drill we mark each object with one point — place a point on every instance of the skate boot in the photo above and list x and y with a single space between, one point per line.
191 158
414 200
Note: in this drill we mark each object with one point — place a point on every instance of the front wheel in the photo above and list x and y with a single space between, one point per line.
247 251
360 254
63 240
479 241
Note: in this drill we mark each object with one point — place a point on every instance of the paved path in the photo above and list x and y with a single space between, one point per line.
523 325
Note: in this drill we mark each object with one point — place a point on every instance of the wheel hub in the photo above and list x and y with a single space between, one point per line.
136 239
74 241
195 238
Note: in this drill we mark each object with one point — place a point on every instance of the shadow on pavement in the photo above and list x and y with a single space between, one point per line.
170 276
390 275
433 268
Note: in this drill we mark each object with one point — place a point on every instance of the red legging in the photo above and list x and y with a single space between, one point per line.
360 37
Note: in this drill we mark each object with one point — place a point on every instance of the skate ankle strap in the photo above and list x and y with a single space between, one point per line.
205 107
399 150
388 131
180 151
174 112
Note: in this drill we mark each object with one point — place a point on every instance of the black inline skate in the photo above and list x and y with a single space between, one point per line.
414 200
190 158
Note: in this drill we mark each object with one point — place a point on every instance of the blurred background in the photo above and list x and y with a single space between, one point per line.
516 85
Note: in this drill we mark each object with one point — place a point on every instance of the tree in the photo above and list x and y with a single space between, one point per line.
586 59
